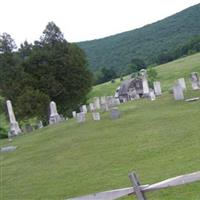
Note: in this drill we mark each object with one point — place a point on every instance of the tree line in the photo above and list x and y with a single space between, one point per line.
49 69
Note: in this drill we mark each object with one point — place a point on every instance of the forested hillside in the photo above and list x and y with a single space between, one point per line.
145 43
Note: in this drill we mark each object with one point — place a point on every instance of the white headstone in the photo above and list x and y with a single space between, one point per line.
152 95
14 126
54 116
80 117
178 92
97 103
96 116
157 88
195 81
181 82
91 106
84 109
74 114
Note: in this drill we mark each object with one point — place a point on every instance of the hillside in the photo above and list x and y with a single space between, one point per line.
146 43
167 73
157 139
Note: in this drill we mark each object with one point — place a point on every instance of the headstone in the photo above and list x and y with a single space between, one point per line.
115 113
104 107
97 103
91 107
181 82
178 92
54 116
80 117
152 95
74 114
145 84
195 81
8 149
96 116
84 109
14 126
157 88
192 99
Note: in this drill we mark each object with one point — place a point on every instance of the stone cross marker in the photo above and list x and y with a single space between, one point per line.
157 88
14 126
181 82
115 113
195 81
96 116
80 117
178 92
54 116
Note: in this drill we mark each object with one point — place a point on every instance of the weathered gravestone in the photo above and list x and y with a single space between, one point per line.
54 116
96 116
91 107
145 84
97 103
84 109
157 88
80 117
74 114
14 126
195 81
181 82
152 95
178 92
115 113
8 149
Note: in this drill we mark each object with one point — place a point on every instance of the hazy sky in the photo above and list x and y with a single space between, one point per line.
81 20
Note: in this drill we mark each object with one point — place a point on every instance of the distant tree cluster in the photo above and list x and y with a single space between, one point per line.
191 47
49 69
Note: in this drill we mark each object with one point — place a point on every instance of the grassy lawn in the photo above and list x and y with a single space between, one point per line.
157 139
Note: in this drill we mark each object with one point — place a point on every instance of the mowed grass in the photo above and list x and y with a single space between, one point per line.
157 139
167 74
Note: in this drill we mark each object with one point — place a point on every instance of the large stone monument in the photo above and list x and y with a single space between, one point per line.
14 126
54 116
195 81
178 92
157 88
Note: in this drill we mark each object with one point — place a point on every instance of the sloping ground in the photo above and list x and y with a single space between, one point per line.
167 74
158 139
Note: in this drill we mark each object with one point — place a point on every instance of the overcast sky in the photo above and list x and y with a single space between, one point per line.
82 20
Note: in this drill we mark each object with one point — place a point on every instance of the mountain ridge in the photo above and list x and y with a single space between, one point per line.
116 51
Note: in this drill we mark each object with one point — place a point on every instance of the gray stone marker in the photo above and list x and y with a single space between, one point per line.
74 114
84 109
152 95
8 149
14 126
157 88
91 107
181 82
80 117
97 103
145 84
178 92
96 116
54 116
40 124
115 113
195 81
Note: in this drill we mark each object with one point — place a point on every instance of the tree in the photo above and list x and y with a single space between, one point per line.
7 44
152 75
106 75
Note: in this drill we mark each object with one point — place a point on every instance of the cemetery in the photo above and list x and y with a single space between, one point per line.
153 132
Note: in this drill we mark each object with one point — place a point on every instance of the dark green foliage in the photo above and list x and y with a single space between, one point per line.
7 44
191 47
51 69
145 43
152 75
106 75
